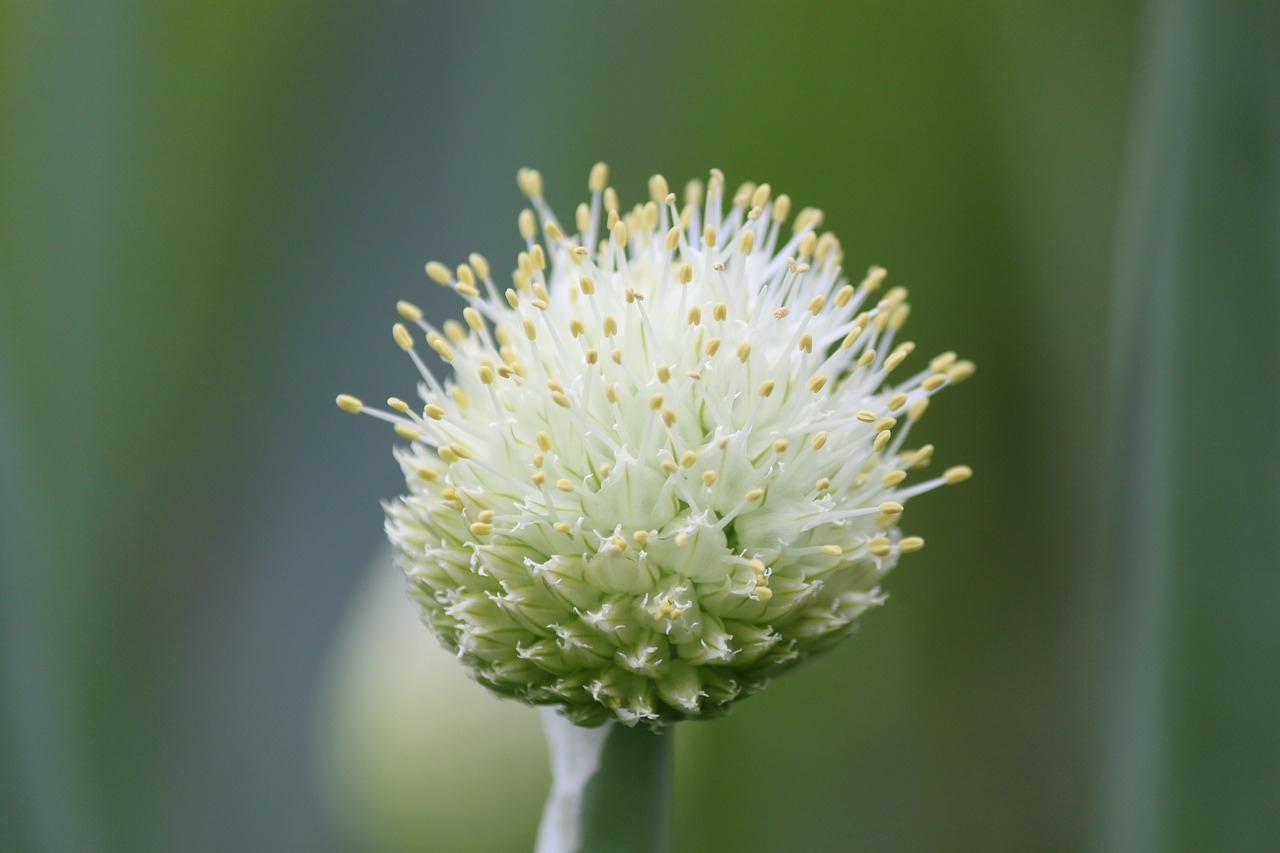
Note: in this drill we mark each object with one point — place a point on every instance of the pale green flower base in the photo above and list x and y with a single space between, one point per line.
611 788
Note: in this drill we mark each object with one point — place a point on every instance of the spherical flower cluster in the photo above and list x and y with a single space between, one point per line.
669 464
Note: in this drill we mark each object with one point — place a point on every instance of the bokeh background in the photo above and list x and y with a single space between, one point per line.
208 211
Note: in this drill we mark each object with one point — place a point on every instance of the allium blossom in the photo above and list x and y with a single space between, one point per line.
669 464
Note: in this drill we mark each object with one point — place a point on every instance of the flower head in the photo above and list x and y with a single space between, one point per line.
669 464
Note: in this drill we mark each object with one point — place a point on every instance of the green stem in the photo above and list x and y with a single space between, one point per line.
627 804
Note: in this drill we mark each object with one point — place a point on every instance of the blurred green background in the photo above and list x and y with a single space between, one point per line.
208 211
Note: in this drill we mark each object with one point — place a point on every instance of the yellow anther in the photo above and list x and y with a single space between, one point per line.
620 233
479 264
658 188
910 544
695 316
434 411
530 331
513 299
899 317
895 358
538 260
885 423
693 374
781 313
875 278
879 546
655 402
593 356
753 495
682 539
554 233
473 318
673 238
882 440
527 224
454 332
588 285
402 336
866 416
450 495
816 303
832 550
958 474
688 458
575 327
399 405
530 182
466 276
763 593
747 243
709 237
481 528
766 388
818 440
940 363
611 392
604 470
562 527
708 478
544 441
669 466
668 417
438 272
427 473
610 326
934 382
611 202
713 346
538 478
817 382
916 412
890 507
867 358
598 178
410 433
664 373
806 343
349 404
807 242
744 351
822 484
780 445
538 459
486 374
897 401
447 454
843 295
693 192
781 207
893 478
409 311
561 400
540 304
564 485
641 537
960 371
684 275
582 217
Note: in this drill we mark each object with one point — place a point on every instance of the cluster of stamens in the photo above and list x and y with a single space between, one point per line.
669 462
